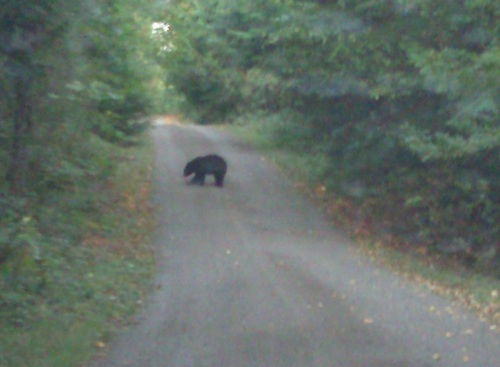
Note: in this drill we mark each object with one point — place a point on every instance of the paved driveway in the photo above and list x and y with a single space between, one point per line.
252 275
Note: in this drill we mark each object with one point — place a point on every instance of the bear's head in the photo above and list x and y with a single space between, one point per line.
190 168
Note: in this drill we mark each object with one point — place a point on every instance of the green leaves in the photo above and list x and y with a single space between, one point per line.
470 82
73 74
401 96
442 145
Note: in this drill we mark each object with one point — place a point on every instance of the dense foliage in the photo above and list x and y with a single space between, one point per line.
399 99
77 80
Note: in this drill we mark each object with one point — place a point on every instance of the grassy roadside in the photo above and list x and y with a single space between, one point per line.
93 284
470 288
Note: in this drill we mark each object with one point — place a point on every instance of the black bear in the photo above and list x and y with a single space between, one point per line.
208 165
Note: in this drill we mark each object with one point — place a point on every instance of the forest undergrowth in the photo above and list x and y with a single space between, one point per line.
92 272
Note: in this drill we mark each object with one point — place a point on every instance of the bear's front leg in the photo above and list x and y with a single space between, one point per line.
199 178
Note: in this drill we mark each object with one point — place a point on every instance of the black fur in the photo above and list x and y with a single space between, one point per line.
208 165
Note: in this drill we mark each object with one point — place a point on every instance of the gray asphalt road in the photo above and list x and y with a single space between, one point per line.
252 275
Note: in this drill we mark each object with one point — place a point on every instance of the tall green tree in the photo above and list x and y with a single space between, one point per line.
399 96
76 77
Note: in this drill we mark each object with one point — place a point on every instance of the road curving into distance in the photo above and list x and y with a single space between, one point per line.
253 275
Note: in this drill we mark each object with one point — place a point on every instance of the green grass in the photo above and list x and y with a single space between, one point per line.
471 288
283 144
51 341
96 275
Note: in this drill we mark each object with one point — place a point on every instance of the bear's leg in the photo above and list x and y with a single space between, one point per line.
199 178
219 179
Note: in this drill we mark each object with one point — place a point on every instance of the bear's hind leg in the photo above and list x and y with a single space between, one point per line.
219 180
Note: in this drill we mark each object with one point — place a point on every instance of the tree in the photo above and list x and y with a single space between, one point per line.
77 79
400 96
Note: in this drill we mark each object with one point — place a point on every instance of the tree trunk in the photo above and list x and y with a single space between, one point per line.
17 175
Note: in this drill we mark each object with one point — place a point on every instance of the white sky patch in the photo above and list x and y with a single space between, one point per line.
158 31
160 27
